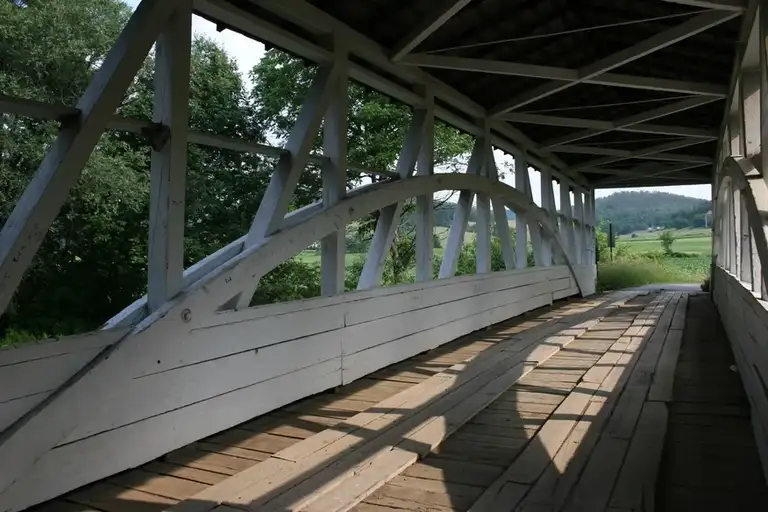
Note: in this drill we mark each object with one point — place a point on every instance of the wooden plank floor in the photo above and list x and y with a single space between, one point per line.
606 404
710 459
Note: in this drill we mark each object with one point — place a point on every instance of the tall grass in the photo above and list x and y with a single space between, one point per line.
638 269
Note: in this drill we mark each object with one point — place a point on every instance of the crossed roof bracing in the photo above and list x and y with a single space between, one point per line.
622 92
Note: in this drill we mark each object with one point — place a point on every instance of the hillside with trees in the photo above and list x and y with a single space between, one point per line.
639 210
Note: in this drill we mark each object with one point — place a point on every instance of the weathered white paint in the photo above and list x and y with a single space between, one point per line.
745 318
30 373
168 177
25 228
521 221
548 205
425 218
483 224
334 175
224 368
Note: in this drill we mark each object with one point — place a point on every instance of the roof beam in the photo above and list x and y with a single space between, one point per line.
648 115
657 172
427 26
642 170
626 153
572 122
661 40
652 152
499 67
723 5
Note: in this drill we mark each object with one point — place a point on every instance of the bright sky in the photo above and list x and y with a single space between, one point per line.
248 53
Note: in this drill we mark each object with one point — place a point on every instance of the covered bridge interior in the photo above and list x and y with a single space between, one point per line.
520 389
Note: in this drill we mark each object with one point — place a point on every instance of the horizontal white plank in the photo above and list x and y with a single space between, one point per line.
184 386
60 346
29 373
227 317
367 361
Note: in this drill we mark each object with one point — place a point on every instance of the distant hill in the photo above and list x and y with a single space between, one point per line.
638 210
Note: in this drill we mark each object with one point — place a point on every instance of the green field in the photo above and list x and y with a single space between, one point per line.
686 240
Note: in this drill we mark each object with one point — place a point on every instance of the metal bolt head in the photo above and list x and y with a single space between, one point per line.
186 315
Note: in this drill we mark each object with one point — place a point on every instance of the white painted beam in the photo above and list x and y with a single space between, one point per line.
580 227
749 84
334 175
548 205
500 218
389 217
40 203
594 124
521 222
566 220
625 153
672 108
461 215
483 224
665 38
425 219
429 24
647 152
167 189
498 67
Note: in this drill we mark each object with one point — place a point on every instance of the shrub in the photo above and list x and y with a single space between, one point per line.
667 239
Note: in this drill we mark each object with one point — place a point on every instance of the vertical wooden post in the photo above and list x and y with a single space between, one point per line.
566 219
737 249
548 204
500 218
167 189
580 227
483 226
26 227
460 216
745 256
521 222
425 218
334 174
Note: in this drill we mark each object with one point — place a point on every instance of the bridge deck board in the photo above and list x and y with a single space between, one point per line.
578 432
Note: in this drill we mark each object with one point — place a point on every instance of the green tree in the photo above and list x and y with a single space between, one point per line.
667 239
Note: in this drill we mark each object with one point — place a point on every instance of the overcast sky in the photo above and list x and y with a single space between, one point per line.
248 52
